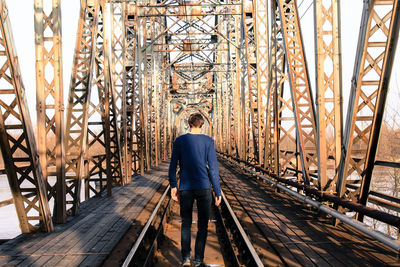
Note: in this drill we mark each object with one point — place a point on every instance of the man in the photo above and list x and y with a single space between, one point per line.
194 151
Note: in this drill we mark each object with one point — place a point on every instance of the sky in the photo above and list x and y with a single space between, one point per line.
21 15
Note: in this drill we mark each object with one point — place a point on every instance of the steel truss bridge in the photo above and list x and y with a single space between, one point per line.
141 67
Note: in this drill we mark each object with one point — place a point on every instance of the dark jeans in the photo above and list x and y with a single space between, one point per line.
186 199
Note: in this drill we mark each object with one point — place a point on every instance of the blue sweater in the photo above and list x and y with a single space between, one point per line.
193 152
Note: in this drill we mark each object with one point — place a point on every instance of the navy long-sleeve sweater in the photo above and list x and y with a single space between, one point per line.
193 152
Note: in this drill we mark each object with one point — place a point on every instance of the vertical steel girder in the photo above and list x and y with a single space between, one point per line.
147 93
78 101
375 54
119 76
152 64
329 91
219 102
132 151
262 45
17 142
237 136
284 135
115 159
50 103
142 92
232 146
103 146
92 129
132 68
253 103
164 118
301 91
154 105
277 107
95 157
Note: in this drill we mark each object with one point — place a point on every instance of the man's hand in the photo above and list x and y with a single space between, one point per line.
217 200
174 194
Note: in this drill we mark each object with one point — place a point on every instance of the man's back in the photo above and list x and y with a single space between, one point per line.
194 152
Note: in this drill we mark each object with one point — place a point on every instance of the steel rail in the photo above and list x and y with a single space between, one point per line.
387 240
243 234
144 231
244 240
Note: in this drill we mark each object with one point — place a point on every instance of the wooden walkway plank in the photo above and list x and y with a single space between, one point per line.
297 237
53 261
301 251
40 261
88 237
273 236
309 237
326 241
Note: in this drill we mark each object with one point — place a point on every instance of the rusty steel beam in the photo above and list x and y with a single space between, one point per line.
78 101
119 82
374 61
50 103
329 91
17 141
277 108
237 136
103 150
302 99
262 46
281 136
142 92
250 62
154 98
132 153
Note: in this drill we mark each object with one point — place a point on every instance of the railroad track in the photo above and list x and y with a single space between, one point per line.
246 208
235 247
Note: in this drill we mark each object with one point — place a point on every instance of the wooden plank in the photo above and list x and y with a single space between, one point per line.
274 232
71 260
285 237
16 260
39 261
53 261
5 259
303 228
285 224
337 249
98 228
93 260
286 254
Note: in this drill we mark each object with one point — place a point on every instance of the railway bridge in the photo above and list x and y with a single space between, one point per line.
305 182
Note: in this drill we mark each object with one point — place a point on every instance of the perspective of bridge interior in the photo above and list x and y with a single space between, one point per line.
300 96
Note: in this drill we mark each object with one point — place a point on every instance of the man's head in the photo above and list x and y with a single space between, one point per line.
195 120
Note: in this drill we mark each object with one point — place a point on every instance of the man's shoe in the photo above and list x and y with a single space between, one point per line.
199 263
186 262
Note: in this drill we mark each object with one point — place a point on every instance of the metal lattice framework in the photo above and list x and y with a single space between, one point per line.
141 67
300 89
375 55
78 105
50 103
329 91
18 145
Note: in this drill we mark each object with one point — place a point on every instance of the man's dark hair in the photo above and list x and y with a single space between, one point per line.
196 120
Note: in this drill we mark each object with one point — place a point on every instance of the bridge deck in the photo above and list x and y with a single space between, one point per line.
298 234
89 237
